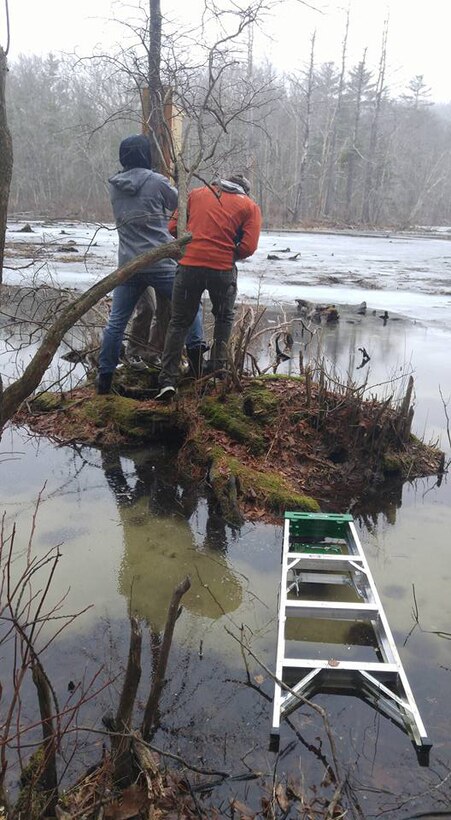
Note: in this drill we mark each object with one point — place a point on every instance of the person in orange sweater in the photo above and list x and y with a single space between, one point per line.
225 223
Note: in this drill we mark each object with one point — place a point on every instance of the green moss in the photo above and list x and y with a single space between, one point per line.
417 441
33 767
269 489
229 417
276 494
130 378
31 800
277 377
225 487
46 402
259 403
135 419
392 463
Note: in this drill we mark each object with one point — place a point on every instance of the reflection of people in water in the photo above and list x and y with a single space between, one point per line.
159 547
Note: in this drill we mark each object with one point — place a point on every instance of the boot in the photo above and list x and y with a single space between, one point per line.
195 356
104 382
216 369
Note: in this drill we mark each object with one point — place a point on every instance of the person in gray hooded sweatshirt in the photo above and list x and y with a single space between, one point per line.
142 202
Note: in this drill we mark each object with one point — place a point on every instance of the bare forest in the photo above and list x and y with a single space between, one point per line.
329 144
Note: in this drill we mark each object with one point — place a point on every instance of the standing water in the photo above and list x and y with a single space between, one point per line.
129 530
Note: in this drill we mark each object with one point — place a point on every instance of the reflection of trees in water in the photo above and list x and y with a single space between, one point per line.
340 343
386 501
159 544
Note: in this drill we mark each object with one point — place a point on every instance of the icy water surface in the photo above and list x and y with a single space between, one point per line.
129 532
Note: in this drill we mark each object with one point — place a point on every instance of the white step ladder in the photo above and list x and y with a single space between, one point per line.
328 596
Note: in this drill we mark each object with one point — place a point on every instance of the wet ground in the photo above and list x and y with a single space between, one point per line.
128 533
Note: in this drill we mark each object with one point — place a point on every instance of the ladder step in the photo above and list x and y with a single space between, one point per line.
332 609
297 560
316 577
332 665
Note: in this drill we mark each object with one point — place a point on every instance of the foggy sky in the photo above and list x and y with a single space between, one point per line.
418 33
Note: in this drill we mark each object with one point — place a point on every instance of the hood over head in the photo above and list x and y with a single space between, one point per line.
131 181
134 152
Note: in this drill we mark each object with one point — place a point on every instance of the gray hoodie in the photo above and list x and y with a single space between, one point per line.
142 203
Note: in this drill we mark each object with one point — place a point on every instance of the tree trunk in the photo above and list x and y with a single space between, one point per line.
355 140
331 179
370 191
299 190
48 781
154 123
6 158
124 771
160 671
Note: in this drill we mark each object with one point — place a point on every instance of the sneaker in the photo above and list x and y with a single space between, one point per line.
155 362
166 393
137 363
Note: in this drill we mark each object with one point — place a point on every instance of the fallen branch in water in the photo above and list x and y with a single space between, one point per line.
18 391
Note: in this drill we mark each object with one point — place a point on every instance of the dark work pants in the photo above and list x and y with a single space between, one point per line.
148 328
190 283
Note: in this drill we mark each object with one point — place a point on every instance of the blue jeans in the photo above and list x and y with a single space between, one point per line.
125 298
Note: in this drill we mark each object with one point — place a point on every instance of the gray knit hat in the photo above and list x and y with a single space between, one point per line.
239 179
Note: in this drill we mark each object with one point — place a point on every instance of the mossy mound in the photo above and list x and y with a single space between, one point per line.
290 443
238 487
265 489
227 415
134 419
268 445
84 416
243 416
